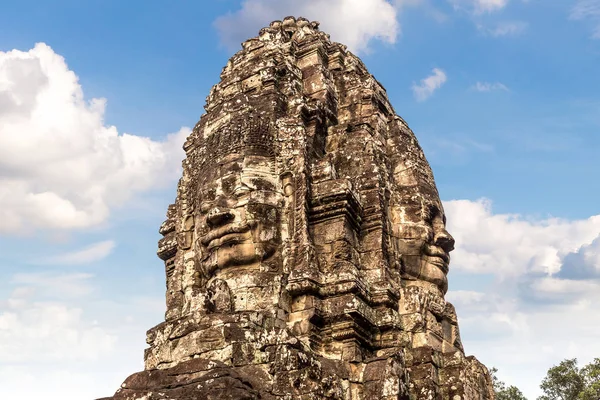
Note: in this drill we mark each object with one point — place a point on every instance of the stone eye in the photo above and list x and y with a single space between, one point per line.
431 214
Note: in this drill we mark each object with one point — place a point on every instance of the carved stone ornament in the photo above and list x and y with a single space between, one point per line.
306 252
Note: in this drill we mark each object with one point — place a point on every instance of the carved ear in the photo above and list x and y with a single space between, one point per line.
188 223
287 182
187 232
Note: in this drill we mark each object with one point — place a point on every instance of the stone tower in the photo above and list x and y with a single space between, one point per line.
306 253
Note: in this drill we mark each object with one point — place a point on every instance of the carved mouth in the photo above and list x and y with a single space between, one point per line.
439 262
436 251
437 257
228 234
227 240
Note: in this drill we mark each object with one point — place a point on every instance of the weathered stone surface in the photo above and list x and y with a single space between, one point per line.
306 253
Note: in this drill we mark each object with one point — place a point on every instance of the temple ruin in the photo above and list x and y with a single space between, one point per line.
306 254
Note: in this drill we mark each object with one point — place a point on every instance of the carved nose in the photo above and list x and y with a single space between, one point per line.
217 217
444 240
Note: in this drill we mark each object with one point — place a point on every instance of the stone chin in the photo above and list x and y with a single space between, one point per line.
426 268
241 253
422 260
435 270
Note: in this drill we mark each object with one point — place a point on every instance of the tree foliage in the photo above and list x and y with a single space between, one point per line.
566 381
591 378
562 382
504 392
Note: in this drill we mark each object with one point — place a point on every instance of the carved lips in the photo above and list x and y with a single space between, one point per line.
228 234
437 256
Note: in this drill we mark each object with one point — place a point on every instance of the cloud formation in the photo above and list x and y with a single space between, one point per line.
54 285
546 285
588 10
479 6
47 331
524 332
489 87
506 28
352 22
88 255
61 167
56 342
490 5
583 263
427 86
513 245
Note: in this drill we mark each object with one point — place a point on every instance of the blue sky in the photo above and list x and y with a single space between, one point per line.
502 95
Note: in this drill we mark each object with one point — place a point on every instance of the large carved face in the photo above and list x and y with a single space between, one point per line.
237 220
422 239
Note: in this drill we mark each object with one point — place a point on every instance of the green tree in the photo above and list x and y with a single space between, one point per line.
563 382
591 378
503 392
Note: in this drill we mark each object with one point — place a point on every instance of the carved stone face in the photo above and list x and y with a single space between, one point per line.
424 243
237 223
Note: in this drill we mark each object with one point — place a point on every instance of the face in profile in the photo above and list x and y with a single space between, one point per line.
424 243
237 222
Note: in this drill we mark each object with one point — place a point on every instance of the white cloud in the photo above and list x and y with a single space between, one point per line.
52 382
489 87
507 28
582 264
503 328
55 285
352 22
429 85
542 305
61 167
479 6
513 245
591 255
588 9
69 348
48 331
90 254
490 5
549 287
